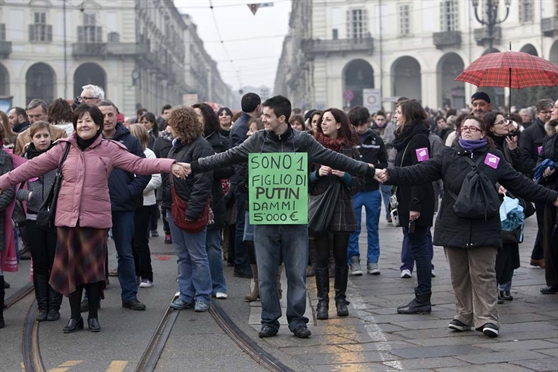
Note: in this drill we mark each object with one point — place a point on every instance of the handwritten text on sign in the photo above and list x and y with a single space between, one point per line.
278 188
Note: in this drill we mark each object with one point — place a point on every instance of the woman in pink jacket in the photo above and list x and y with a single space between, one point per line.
83 214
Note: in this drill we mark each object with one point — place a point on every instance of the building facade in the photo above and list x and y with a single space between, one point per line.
415 48
135 49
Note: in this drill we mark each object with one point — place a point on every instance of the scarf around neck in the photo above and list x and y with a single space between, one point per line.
336 145
472 145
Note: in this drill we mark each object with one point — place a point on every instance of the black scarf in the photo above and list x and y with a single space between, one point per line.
83 144
499 141
32 151
402 139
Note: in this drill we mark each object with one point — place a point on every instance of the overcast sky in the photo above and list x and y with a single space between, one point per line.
254 43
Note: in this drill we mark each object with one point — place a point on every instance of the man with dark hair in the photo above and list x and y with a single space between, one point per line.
372 151
251 108
288 241
530 143
125 191
481 104
36 111
18 120
162 120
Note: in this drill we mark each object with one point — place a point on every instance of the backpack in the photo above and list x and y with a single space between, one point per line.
478 198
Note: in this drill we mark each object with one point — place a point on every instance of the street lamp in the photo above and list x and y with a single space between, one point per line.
490 21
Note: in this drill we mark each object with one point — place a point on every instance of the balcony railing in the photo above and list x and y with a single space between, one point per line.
481 35
108 50
549 26
5 49
339 46
447 39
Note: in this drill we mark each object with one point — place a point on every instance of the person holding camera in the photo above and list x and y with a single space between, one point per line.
507 259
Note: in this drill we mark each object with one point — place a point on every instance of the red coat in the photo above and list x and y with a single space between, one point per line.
84 194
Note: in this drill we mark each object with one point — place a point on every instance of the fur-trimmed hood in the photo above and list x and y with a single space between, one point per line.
550 127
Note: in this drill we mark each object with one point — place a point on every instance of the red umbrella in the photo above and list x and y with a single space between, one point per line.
510 69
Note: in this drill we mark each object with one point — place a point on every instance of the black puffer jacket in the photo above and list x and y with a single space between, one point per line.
451 166
530 141
219 144
373 151
196 188
290 141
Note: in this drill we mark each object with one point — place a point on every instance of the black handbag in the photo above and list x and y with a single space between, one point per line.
321 208
47 211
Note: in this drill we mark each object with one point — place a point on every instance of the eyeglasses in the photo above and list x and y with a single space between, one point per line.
471 129
81 99
501 122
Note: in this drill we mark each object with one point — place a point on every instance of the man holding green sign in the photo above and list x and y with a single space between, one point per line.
278 160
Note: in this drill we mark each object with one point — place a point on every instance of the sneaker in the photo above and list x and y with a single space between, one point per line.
302 332
356 270
458 326
267 331
201 307
245 272
372 269
113 272
154 234
146 283
406 274
490 330
168 239
178 304
433 273
221 295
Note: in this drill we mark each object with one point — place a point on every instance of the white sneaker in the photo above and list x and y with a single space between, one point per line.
221 295
372 269
433 273
146 283
406 274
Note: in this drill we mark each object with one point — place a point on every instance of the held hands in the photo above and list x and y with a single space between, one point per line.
337 173
324 171
181 170
382 175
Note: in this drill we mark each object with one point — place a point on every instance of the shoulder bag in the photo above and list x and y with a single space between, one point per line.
179 207
47 211
321 208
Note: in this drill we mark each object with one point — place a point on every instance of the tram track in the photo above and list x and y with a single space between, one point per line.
33 361
19 295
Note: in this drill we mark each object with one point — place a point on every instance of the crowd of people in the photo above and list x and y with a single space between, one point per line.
130 172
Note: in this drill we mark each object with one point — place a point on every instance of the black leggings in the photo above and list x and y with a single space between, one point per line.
339 242
94 296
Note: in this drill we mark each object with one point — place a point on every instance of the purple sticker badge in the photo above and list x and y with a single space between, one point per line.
539 149
422 154
492 161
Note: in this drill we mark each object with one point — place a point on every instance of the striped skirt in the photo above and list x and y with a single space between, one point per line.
79 259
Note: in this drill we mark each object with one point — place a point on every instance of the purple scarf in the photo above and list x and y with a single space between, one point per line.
472 145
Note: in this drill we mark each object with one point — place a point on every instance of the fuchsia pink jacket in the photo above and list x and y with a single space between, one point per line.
84 195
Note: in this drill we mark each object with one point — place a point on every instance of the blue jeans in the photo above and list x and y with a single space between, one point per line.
214 250
407 257
291 242
421 255
123 233
194 276
372 203
386 194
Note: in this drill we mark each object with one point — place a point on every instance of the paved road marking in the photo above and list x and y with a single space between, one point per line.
117 366
66 366
372 328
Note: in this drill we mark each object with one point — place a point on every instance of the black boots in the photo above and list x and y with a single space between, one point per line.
2 295
341 278
322 284
54 302
419 305
40 283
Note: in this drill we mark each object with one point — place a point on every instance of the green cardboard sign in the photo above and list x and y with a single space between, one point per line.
278 188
